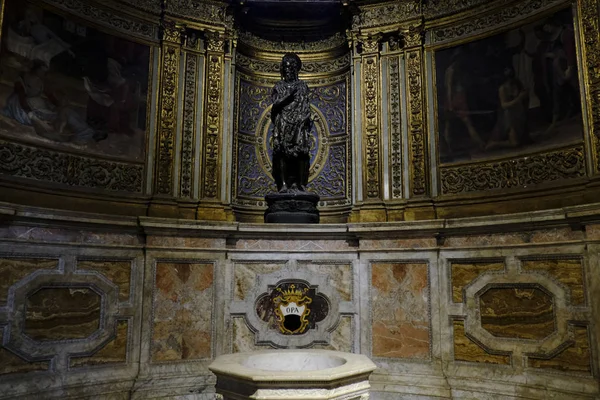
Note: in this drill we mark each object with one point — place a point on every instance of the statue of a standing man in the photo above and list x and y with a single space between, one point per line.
291 128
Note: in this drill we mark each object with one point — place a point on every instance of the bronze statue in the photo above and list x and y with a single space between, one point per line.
291 128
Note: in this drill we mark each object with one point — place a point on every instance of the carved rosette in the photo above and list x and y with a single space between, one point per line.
395 130
215 45
189 123
171 43
520 172
590 27
371 110
416 114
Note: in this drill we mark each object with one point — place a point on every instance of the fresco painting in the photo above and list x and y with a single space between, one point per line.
69 86
511 94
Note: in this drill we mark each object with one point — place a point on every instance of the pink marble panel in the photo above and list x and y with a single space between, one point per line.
400 310
183 304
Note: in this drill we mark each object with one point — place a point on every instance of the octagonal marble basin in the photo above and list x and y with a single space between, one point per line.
293 374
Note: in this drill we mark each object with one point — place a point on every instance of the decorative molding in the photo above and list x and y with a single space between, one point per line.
520 172
109 19
590 27
31 162
205 11
168 115
214 107
490 21
416 113
309 67
189 124
259 43
386 14
439 8
395 129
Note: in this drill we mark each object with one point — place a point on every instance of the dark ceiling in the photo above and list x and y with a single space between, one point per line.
292 21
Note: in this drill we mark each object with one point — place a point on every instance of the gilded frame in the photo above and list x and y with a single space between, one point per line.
151 41
583 154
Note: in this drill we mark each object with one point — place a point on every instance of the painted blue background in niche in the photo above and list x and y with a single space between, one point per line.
253 177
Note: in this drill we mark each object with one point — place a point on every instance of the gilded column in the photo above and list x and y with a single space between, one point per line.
418 183
372 208
211 204
163 203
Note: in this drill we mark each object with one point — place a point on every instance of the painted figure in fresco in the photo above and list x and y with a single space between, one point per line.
457 105
111 102
512 129
290 116
48 112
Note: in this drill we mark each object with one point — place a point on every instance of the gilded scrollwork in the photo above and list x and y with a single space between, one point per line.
213 116
189 111
371 125
416 122
439 8
75 171
590 27
309 67
107 18
489 21
205 11
395 130
332 42
390 13
168 114
520 172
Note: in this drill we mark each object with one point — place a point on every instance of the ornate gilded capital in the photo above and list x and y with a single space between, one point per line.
215 41
172 32
413 36
369 43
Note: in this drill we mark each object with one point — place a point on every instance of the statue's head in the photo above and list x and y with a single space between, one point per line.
290 66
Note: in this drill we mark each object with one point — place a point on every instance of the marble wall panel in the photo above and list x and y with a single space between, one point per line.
568 272
466 349
62 313
400 310
523 312
118 272
292 245
243 338
413 243
592 232
575 357
114 352
13 364
182 311
341 337
463 273
340 276
184 242
64 235
245 276
13 270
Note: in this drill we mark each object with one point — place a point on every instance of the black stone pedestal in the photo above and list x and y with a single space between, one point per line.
292 208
